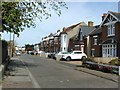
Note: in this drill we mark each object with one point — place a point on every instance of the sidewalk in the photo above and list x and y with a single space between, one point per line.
17 75
78 66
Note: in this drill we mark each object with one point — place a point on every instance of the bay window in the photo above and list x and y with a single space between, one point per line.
109 50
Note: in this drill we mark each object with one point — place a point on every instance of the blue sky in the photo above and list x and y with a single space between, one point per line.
76 12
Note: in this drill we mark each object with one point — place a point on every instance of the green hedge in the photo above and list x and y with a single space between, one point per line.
4 43
4 51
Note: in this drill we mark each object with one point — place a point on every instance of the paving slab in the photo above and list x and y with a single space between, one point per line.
17 75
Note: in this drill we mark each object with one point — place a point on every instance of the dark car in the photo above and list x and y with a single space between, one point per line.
52 55
32 53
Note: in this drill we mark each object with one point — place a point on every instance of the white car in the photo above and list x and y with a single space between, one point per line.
74 55
17 53
60 54
39 52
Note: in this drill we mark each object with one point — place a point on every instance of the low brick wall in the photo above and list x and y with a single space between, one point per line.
103 60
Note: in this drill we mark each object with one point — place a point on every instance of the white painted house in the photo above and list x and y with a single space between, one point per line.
64 42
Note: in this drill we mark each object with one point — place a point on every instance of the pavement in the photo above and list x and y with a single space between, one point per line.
18 76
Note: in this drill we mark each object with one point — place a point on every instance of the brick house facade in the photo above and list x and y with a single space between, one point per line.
106 37
95 40
79 40
50 43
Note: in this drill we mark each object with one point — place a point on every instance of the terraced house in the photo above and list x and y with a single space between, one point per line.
77 37
96 41
50 43
105 39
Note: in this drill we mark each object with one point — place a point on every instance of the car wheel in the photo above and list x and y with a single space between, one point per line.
68 58
83 58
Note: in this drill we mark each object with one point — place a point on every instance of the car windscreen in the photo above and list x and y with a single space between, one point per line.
66 52
77 52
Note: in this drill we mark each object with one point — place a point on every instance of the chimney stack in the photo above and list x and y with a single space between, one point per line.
90 24
103 16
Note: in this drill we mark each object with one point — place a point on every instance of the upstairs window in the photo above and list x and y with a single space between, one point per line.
111 30
81 36
95 39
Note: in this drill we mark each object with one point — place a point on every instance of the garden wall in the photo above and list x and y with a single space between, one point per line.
103 60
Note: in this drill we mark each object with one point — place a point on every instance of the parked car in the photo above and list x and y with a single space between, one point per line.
29 52
60 54
52 55
74 55
41 53
35 52
17 53
32 53
49 55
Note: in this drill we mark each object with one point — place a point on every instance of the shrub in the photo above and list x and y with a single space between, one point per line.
115 62
4 43
89 59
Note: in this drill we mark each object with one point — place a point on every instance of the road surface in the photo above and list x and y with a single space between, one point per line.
48 73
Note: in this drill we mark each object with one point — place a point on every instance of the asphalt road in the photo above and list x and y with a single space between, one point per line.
48 73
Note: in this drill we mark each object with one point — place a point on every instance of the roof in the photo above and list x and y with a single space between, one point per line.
116 15
73 26
86 30
96 31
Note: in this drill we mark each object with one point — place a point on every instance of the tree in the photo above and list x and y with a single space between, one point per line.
18 15
29 47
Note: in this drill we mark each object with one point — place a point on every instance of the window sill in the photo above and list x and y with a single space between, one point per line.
111 35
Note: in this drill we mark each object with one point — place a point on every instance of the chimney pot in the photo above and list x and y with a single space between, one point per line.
103 16
90 24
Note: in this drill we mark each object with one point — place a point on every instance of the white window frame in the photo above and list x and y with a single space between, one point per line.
111 30
81 36
93 52
109 50
95 40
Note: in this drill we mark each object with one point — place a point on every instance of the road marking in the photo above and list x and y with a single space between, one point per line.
34 81
61 81
67 80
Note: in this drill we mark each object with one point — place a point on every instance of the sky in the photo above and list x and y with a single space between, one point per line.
76 12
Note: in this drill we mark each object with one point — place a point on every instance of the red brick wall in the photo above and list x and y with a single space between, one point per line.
70 45
117 36
104 33
98 48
